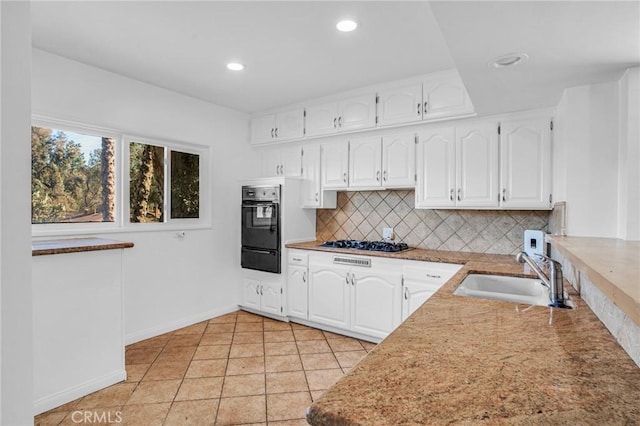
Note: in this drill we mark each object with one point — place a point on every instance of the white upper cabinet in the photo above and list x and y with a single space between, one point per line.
312 194
525 163
400 105
348 114
398 160
458 167
436 165
365 162
444 96
284 160
477 165
285 125
439 95
335 165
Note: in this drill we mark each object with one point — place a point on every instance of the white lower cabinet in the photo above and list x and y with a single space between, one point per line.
298 285
420 281
263 296
364 300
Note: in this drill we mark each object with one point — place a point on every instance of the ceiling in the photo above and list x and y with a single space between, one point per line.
292 51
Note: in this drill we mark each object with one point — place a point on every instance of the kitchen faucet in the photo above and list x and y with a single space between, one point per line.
553 282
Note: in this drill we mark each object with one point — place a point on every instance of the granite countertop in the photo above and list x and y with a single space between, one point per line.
76 245
465 361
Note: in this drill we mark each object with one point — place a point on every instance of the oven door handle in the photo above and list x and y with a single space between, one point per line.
271 252
259 205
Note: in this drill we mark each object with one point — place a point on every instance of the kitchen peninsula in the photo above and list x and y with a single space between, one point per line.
459 359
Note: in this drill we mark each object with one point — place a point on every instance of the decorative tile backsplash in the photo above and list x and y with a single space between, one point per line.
362 215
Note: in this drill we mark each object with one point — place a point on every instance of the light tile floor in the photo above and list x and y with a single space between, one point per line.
235 369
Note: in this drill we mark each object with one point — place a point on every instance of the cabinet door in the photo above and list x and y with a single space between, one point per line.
271 298
445 96
335 165
322 119
297 291
311 193
357 113
329 295
477 165
271 162
399 160
290 124
291 161
400 105
251 293
525 164
377 305
263 128
365 161
415 293
436 168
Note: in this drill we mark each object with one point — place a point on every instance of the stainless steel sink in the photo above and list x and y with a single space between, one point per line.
529 291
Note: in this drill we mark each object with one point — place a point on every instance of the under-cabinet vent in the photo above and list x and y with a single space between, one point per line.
354 261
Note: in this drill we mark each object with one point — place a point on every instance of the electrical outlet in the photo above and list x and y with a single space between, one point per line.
387 233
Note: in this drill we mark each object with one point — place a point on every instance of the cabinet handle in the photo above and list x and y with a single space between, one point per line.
272 130
340 121
419 105
384 176
276 132
504 194
406 294
304 277
451 194
424 109
459 196
317 197
261 288
353 279
378 175
347 278
433 276
335 119
258 290
344 177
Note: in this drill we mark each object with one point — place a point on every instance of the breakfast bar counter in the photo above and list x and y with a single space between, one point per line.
462 360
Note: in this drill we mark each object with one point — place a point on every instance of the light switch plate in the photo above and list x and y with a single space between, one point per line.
387 233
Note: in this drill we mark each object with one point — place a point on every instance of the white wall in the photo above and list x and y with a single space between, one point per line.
586 154
169 282
629 156
16 372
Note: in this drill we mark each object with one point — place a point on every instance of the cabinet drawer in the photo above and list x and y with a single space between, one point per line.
437 274
299 259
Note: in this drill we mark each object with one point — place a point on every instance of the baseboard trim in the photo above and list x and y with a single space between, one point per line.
174 325
59 398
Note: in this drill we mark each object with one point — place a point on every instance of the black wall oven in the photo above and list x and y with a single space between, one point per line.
261 228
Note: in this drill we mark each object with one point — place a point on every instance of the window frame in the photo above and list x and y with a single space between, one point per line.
45 229
122 197
203 221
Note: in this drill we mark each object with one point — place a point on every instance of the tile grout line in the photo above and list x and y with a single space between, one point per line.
224 376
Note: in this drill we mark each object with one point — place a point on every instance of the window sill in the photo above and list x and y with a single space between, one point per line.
76 245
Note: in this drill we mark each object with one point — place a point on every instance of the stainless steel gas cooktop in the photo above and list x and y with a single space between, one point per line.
367 245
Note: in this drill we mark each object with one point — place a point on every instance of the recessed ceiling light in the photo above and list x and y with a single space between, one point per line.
235 66
508 60
347 25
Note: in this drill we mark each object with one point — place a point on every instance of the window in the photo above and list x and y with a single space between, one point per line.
72 176
162 175
88 179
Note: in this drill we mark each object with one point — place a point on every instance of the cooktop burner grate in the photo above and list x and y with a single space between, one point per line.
367 245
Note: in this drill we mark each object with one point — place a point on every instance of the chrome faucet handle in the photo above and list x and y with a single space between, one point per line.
546 259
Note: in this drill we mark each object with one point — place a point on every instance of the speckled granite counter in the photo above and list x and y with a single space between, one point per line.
75 245
459 360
